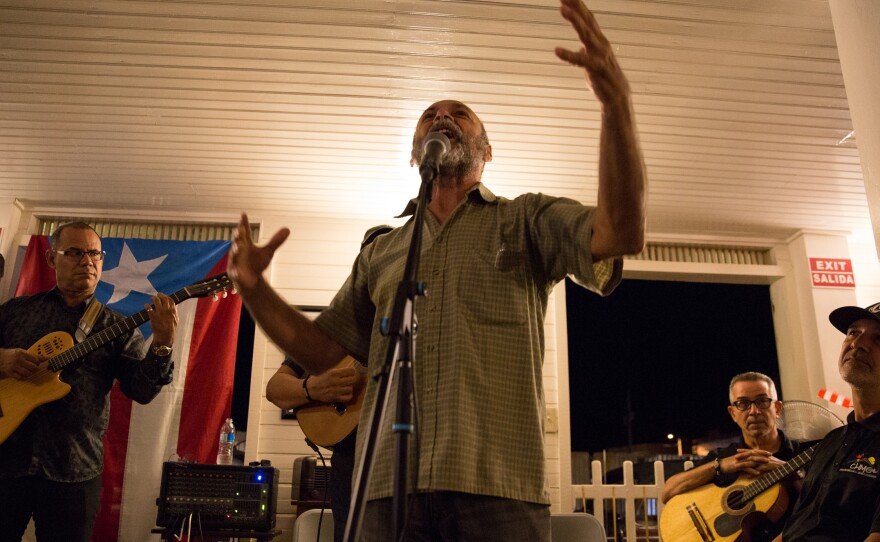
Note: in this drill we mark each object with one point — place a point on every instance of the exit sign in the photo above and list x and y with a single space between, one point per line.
832 273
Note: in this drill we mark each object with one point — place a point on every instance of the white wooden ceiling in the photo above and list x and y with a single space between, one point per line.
307 107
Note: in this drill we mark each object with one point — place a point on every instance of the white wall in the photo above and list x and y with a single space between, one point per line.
857 31
867 269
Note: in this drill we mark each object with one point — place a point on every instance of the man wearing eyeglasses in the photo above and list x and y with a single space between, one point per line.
755 408
840 499
50 466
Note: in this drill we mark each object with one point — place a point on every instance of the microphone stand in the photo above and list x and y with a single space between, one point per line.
400 330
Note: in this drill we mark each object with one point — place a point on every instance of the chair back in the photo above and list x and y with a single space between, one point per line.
576 528
305 528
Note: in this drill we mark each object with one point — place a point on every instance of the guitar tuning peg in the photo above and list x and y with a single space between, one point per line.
225 293
214 297
234 290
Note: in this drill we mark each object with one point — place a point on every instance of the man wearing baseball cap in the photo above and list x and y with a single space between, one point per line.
840 498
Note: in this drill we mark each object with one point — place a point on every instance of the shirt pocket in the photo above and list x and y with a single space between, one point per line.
493 286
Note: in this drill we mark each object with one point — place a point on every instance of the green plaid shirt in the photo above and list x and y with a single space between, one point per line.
480 340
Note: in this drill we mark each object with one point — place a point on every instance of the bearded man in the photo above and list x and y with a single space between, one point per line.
490 264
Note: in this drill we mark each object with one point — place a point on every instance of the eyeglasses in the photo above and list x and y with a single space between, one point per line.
762 403
77 254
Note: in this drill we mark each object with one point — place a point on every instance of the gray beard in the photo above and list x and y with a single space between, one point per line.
461 160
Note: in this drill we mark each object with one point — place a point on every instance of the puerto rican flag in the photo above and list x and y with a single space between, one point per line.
184 420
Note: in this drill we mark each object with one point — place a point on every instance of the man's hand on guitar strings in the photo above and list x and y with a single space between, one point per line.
334 386
163 319
19 364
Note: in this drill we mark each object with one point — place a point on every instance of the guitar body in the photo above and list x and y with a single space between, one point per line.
703 514
18 398
325 424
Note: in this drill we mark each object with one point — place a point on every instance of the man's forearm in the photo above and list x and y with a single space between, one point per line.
291 330
620 209
688 480
286 391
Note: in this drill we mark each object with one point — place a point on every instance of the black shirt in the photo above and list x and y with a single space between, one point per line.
63 440
840 498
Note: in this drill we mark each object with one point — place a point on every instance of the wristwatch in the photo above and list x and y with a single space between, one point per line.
161 351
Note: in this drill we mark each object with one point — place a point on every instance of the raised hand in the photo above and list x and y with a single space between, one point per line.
247 261
596 56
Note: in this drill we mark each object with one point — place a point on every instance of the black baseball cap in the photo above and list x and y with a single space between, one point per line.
843 317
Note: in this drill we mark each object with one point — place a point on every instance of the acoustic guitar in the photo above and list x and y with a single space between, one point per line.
18 398
325 424
712 513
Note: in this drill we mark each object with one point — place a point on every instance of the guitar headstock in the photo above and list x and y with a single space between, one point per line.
211 286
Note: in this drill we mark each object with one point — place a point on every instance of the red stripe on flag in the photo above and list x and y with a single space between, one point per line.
207 395
115 452
36 276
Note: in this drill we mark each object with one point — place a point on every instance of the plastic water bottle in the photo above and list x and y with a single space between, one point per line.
227 443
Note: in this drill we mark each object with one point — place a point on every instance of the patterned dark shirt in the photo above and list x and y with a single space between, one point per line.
63 440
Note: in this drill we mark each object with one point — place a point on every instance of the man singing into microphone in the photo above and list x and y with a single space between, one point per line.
490 264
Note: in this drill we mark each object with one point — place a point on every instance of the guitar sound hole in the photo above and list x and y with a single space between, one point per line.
735 500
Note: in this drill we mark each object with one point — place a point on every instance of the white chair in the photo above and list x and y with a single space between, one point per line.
576 528
305 528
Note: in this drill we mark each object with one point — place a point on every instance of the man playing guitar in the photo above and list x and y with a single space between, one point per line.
50 466
754 407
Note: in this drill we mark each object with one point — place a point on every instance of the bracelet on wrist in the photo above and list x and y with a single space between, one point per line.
717 467
306 387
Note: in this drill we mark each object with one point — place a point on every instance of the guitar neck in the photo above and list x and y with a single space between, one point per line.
769 479
93 342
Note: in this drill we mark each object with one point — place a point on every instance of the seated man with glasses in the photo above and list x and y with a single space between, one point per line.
51 464
754 407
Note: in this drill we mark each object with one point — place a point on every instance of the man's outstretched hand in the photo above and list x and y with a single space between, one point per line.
247 261
596 56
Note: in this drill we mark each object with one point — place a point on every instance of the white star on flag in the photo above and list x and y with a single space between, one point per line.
131 275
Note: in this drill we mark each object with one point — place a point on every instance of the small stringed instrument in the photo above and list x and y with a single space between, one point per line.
18 398
325 424
712 513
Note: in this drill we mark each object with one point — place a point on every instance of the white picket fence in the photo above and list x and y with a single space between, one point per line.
641 503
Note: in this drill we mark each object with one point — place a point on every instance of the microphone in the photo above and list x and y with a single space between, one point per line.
434 148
